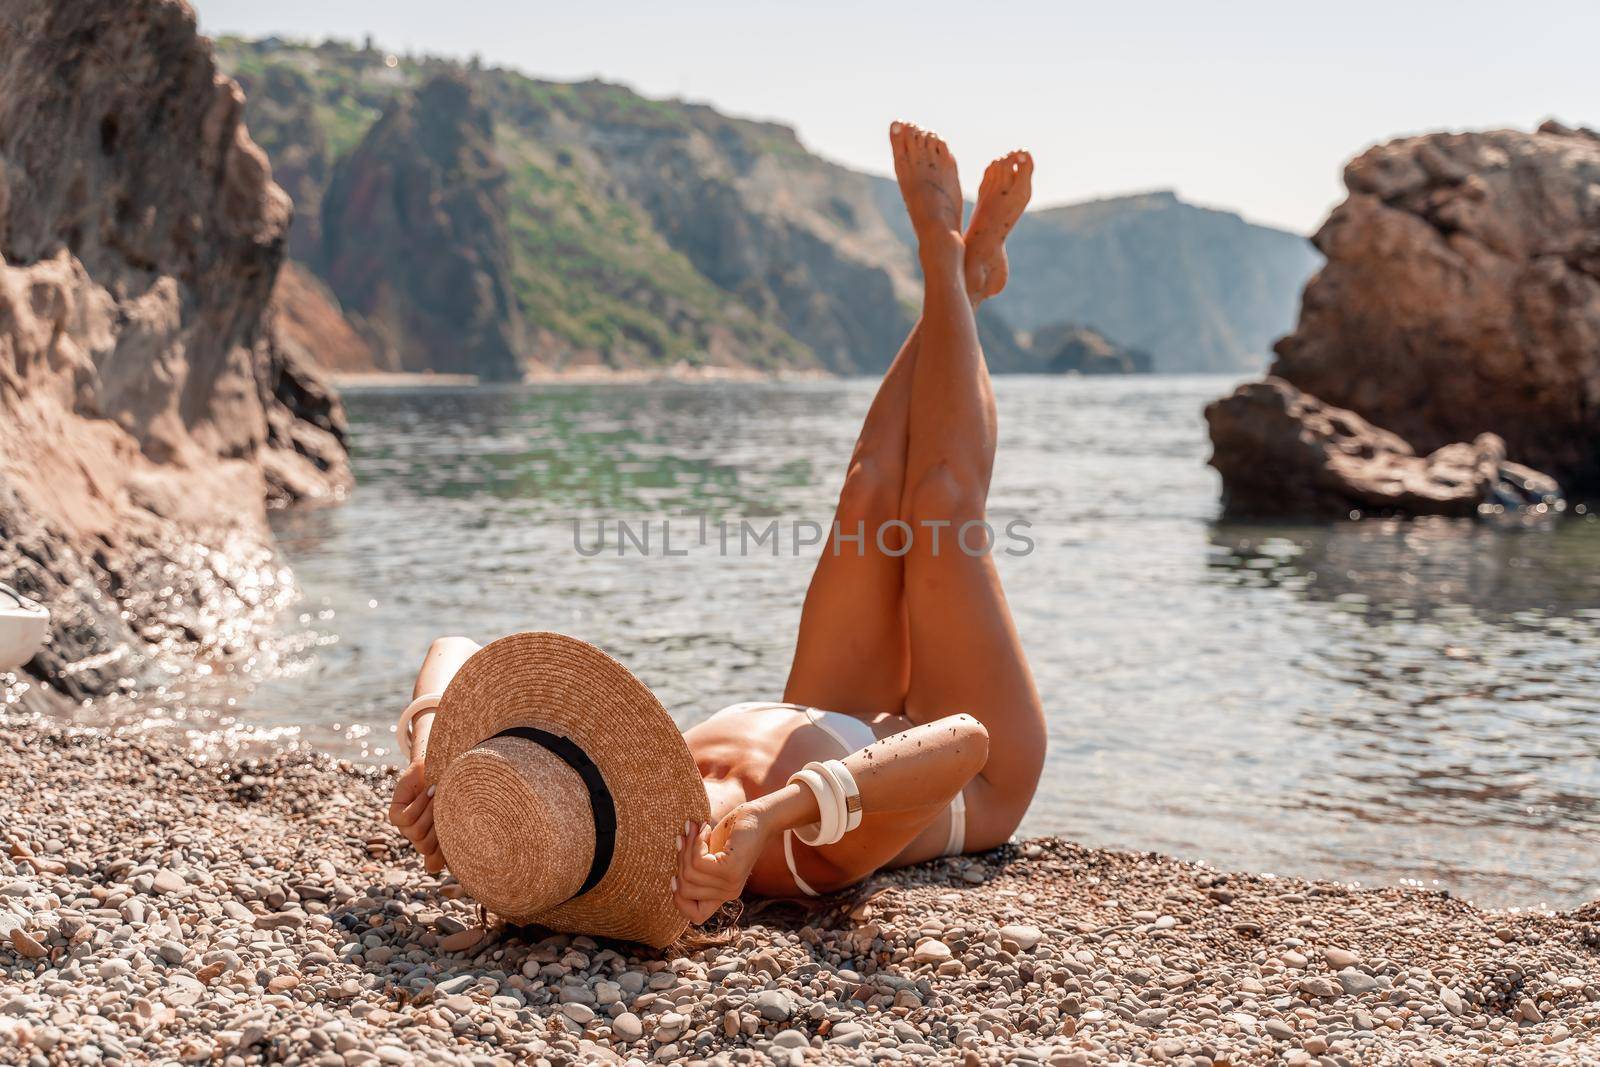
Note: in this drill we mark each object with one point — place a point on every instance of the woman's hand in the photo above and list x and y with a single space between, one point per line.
715 863
412 811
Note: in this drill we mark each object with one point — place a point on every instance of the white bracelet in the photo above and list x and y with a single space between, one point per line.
851 794
838 801
831 826
425 703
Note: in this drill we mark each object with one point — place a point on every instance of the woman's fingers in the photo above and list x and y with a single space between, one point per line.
701 887
697 911
697 890
709 863
423 824
698 865
720 867
408 815
412 811
407 789
689 844
412 815
717 838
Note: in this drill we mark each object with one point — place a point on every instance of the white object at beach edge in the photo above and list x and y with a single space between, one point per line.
23 625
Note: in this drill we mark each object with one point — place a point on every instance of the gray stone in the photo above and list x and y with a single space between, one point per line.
1340 958
627 1027
1356 982
774 1005
1318 986
792 1039
1279 1029
451 986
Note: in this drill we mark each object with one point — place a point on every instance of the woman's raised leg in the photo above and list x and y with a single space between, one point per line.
851 651
965 653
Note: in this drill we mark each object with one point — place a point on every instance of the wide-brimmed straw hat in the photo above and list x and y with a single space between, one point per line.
562 785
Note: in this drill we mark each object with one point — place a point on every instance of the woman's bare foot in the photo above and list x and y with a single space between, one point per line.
932 191
1004 192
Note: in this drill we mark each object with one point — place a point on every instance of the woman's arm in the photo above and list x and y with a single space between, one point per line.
412 807
919 769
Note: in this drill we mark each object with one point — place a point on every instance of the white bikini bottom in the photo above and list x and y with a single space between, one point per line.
852 735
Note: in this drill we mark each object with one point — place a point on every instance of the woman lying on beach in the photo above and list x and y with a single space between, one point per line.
931 708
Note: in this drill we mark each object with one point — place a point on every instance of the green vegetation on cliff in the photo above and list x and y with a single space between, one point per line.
651 232
605 266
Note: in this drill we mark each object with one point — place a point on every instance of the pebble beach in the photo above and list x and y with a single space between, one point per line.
158 905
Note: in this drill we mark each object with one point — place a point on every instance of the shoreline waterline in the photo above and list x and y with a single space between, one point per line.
1375 703
1370 701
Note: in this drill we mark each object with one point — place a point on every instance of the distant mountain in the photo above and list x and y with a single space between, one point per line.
1199 289
601 227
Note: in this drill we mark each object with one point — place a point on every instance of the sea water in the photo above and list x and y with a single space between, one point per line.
1369 701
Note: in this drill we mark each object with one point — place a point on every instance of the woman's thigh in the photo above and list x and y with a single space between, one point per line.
966 657
851 653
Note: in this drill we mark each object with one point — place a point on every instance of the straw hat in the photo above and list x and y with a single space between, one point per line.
541 745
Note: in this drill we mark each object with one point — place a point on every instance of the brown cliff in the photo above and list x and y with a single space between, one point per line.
309 321
147 411
415 238
1461 297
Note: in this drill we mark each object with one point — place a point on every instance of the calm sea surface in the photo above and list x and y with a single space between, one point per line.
1368 701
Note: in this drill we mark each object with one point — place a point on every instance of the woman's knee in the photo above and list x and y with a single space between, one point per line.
944 495
871 493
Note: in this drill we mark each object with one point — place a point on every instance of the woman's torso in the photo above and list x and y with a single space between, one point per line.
749 750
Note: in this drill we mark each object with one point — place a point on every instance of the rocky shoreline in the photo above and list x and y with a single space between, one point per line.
160 905
1450 331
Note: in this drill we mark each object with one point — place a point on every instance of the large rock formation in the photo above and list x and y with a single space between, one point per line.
1061 348
147 412
1282 452
1461 297
415 238
1067 348
281 102
308 321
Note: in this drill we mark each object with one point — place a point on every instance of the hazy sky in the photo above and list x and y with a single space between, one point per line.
1253 106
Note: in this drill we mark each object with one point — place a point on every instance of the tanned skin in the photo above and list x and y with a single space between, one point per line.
921 646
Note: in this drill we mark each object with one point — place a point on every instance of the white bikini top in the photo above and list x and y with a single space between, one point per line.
852 735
